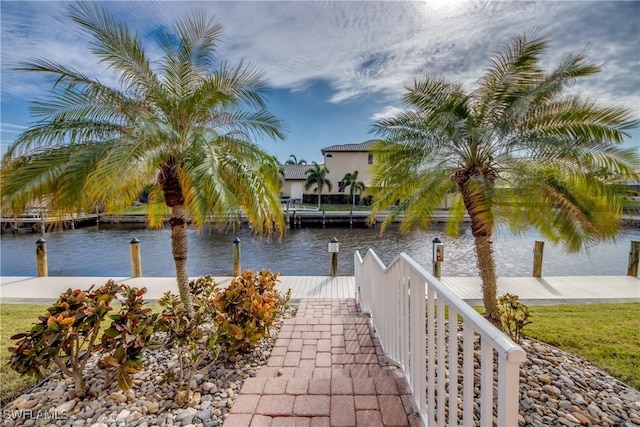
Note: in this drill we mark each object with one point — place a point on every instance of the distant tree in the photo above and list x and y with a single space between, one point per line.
317 175
351 180
515 149
293 160
179 123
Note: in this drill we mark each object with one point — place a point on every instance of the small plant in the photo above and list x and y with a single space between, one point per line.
514 316
247 308
131 330
190 335
70 327
283 302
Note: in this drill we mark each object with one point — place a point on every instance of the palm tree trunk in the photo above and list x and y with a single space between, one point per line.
178 223
487 269
319 199
476 202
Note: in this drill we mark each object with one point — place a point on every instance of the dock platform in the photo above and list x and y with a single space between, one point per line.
531 290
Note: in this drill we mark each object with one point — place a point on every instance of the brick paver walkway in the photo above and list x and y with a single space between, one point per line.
324 370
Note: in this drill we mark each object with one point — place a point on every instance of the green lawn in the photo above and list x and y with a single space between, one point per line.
608 335
15 318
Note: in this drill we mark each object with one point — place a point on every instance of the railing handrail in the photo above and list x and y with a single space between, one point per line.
503 345
401 297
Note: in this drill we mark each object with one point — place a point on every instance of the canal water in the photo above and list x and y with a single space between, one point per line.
104 251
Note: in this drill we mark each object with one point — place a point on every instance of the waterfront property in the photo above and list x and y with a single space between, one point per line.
398 297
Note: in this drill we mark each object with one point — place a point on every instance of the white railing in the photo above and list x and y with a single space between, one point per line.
457 350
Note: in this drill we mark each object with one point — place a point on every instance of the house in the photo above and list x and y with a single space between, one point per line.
294 179
347 158
339 160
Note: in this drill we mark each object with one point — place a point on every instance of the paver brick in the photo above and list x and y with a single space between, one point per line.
253 386
259 421
320 386
320 422
341 386
275 361
295 344
237 420
292 358
386 385
323 359
369 418
307 363
342 358
276 405
352 347
366 358
322 372
403 386
392 411
308 352
366 402
324 345
275 386
245 404
363 385
343 413
297 386
290 422
309 405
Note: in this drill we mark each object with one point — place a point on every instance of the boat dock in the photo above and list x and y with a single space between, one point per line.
38 222
531 290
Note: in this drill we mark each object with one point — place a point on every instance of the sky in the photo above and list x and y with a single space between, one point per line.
333 68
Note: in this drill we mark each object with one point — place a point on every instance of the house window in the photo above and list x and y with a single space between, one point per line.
329 155
341 187
370 159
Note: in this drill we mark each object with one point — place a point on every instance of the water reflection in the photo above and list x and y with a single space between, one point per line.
104 251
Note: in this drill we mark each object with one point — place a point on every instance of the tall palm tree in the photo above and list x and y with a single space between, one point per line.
183 123
293 160
516 149
351 180
317 175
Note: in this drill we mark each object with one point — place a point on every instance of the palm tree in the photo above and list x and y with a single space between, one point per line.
293 160
317 175
351 180
179 123
516 150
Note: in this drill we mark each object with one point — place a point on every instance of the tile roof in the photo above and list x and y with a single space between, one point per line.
363 146
296 171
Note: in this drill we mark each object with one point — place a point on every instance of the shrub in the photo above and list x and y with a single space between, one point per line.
131 330
190 335
247 308
70 327
514 316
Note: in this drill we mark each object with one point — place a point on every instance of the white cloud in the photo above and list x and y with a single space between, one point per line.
357 48
387 112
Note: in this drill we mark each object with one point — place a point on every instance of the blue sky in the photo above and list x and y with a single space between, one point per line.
334 67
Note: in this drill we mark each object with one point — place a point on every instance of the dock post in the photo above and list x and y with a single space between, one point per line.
334 248
351 217
634 258
287 220
136 265
537 258
236 257
438 257
323 220
41 257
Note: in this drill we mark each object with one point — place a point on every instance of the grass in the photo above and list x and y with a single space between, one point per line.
607 335
15 318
